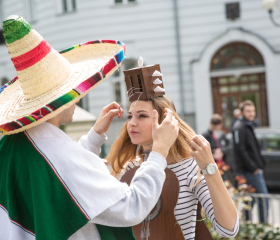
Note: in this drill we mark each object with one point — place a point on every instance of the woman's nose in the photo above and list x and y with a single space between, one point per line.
133 122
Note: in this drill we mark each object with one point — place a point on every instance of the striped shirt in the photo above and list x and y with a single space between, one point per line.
185 211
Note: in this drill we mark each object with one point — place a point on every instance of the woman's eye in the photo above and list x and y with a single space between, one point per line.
142 116
129 117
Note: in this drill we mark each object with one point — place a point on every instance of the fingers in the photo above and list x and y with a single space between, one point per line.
120 113
168 114
155 118
112 113
111 106
175 123
194 146
201 147
112 109
199 140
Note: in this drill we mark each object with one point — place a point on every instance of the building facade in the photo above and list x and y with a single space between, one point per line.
213 53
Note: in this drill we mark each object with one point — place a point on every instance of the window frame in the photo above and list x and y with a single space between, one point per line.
66 6
123 3
2 39
30 8
234 48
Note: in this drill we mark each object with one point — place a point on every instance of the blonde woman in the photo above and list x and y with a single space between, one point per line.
189 154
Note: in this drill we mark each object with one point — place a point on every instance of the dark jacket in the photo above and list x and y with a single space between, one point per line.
223 143
247 152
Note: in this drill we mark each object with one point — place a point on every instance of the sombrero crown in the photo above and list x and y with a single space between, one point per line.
48 82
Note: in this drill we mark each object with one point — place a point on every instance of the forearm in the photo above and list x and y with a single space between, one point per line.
93 141
145 189
223 206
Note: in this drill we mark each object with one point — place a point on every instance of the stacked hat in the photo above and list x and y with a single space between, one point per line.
144 82
48 82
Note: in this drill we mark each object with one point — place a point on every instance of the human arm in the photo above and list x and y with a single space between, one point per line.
106 117
144 191
96 136
93 141
203 195
223 206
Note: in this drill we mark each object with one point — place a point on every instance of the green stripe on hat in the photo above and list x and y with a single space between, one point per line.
67 49
15 28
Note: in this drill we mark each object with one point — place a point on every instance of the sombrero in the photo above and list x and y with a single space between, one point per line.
48 82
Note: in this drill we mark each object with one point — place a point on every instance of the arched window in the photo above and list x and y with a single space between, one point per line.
237 74
236 55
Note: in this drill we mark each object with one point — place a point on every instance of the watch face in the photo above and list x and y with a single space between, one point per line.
211 169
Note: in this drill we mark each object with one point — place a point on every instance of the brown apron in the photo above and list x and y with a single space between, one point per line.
154 226
161 223
201 231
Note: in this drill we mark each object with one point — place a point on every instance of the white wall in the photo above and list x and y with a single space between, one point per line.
148 29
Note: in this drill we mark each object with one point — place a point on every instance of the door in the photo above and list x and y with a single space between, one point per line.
228 92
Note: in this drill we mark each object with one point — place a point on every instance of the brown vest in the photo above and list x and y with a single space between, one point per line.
201 231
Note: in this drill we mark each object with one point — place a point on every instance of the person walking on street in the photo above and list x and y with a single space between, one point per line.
248 158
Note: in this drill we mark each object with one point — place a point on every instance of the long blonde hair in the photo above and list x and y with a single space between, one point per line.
123 150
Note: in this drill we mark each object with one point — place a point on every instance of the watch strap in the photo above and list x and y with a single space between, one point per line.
203 171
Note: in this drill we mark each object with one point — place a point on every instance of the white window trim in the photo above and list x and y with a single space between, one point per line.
30 7
237 72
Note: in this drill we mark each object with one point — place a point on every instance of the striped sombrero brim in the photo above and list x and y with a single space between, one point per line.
86 74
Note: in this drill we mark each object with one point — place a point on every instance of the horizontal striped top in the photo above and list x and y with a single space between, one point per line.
185 211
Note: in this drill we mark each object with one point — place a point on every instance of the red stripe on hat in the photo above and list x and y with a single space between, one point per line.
108 67
30 58
108 41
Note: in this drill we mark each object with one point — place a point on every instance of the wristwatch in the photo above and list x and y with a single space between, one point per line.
210 169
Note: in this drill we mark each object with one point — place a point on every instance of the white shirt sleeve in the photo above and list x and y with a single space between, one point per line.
93 141
145 189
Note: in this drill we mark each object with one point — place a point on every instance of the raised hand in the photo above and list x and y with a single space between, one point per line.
165 134
201 151
106 116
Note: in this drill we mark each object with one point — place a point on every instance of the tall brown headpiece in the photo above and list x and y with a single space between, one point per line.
144 83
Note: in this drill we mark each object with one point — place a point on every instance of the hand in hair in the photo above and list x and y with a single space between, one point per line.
201 151
165 134
106 116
